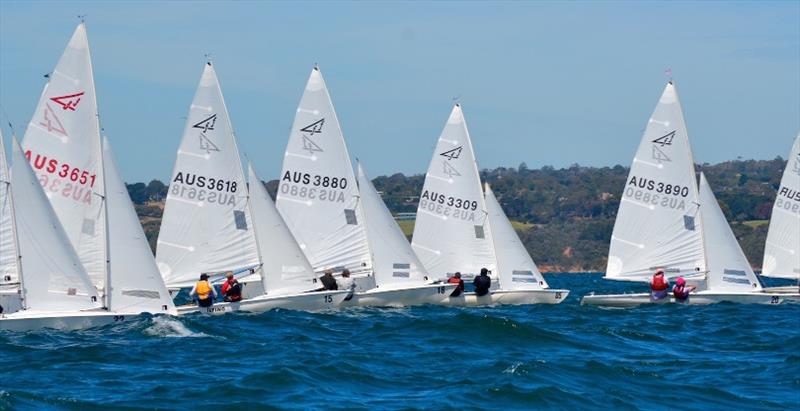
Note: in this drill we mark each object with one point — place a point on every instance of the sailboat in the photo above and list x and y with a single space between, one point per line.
79 176
325 210
782 250
665 221
51 287
459 230
213 222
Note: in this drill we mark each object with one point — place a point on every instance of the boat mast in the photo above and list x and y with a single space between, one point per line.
18 257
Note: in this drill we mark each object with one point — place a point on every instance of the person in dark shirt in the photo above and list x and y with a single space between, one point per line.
482 283
456 279
231 290
328 282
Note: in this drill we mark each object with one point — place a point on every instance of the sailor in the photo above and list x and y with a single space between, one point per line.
482 283
231 290
206 294
328 282
345 282
681 291
456 279
659 286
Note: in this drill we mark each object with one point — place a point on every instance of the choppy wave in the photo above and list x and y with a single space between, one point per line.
545 357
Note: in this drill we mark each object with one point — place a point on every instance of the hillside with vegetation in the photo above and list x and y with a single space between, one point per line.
563 216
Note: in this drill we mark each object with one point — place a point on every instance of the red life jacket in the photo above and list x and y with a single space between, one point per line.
658 283
453 280
679 292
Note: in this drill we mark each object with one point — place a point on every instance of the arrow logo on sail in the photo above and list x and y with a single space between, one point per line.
659 155
450 170
451 154
68 102
310 146
206 144
207 124
51 121
665 140
314 128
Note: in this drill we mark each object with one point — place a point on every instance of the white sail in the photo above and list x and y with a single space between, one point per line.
135 283
62 143
658 222
285 269
515 267
206 226
782 251
394 261
728 269
452 231
53 278
317 194
9 267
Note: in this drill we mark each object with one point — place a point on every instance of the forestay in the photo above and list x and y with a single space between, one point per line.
285 269
728 269
9 268
317 194
515 266
206 227
136 284
62 143
53 277
394 260
452 231
782 251
658 222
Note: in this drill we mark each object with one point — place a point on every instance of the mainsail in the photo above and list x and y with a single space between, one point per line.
317 193
728 269
136 285
9 250
658 222
206 227
285 269
782 251
452 230
515 267
393 258
62 143
53 278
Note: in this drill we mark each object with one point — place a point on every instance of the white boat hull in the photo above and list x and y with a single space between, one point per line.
402 297
30 321
696 298
311 301
510 297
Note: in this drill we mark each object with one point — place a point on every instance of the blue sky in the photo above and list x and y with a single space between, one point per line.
547 83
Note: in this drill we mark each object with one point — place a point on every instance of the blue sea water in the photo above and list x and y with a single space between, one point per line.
723 356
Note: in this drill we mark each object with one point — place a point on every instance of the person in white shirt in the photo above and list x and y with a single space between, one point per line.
345 282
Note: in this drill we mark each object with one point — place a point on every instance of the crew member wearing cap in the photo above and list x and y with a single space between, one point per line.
206 294
328 282
482 283
231 290
659 286
681 290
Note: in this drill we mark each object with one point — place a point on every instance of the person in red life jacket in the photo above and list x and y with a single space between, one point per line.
456 279
231 290
681 291
659 286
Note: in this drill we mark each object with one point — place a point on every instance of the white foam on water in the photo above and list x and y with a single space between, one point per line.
170 328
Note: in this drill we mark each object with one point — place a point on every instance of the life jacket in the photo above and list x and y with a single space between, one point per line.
658 283
203 289
454 280
679 292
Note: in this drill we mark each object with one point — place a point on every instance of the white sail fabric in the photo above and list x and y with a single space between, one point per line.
658 222
206 226
9 269
62 143
285 268
136 284
515 267
393 259
53 278
452 231
782 250
728 269
317 194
